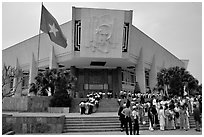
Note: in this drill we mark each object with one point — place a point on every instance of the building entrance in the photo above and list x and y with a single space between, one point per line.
95 80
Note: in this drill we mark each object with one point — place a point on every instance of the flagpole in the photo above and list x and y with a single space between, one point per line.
38 50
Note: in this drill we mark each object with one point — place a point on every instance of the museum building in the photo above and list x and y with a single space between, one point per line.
105 51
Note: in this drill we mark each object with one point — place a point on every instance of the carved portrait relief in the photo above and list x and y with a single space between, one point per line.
102 33
101 39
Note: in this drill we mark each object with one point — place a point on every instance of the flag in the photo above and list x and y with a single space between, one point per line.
50 26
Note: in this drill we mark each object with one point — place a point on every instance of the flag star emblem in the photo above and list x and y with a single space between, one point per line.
53 29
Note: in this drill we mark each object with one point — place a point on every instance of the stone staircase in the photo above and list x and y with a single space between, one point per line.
91 124
101 124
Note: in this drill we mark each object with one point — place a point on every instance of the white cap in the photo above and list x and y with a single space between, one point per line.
134 107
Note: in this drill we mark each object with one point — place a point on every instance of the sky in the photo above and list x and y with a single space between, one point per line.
177 26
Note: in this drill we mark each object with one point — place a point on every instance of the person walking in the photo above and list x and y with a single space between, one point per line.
168 117
172 119
161 118
150 117
141 112
128 113
135 114
182 113
177 116
121 117
155 116
196 114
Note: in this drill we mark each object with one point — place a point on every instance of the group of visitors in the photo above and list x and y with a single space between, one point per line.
128 116
142 96
87 106
161 112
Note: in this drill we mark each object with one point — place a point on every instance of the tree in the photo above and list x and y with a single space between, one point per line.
8 74
163 79
60 83
199 90
43 82
176 78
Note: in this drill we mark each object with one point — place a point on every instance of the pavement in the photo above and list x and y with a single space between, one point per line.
143 132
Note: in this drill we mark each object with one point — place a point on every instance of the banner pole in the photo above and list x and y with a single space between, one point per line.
38 50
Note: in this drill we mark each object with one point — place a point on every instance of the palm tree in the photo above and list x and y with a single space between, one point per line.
175 78
60 82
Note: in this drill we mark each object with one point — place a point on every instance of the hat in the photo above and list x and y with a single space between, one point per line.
124 105
134 107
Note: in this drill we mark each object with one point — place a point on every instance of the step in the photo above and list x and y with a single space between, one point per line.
98 122
90 118
105 129
101 124
101 120
92 130
91 124
101 130
93 127
105 121
87 120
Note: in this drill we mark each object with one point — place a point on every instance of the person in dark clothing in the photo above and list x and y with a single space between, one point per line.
121 117
128 121
142 100
135 114
150 116
155 116
90 111
196 114
200 104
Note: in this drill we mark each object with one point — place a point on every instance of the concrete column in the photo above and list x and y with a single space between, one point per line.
17 83
52 60
33 70
119 72
140 72
153 74
117 81
73 72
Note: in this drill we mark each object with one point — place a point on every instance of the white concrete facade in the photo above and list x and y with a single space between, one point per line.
142 54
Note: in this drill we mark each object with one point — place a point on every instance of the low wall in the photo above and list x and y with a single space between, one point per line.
58 109
6 127
15 104
36 124
28 104
38 104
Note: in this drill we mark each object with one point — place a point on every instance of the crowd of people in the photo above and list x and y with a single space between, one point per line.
162 113
87 106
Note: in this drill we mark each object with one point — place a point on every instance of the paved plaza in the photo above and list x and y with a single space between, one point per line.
144 132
